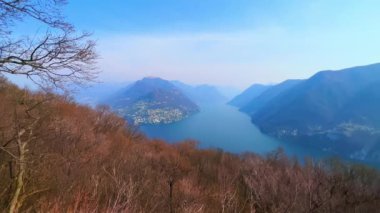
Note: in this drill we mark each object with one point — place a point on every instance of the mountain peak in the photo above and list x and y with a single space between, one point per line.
151 78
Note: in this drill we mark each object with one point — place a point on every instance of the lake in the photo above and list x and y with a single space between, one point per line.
225 127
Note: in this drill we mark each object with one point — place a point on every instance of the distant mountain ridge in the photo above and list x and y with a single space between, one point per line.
153 101
265 97
248 95
201 94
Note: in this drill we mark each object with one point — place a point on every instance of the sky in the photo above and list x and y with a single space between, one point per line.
228 42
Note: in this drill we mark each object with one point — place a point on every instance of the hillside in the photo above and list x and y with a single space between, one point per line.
152 101
260 101
332 106
249 94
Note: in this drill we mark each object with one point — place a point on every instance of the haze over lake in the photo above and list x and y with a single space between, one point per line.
225 127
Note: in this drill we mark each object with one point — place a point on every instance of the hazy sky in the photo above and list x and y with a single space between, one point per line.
229 42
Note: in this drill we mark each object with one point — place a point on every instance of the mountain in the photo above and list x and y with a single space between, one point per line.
152 101
249 94
202 94
255 104
340 109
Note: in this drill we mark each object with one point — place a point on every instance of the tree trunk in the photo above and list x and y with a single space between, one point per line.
15 205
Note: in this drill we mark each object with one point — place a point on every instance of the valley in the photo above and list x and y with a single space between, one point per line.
331 113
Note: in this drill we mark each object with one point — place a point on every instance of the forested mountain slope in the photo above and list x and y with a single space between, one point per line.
332 106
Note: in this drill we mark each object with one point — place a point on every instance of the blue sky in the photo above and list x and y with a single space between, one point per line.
228 42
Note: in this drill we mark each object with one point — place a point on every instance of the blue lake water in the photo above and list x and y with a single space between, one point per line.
225 127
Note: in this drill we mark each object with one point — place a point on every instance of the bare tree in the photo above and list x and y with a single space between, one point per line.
22 146
54 58
20 135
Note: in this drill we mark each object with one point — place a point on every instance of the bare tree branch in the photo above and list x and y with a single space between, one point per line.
55 58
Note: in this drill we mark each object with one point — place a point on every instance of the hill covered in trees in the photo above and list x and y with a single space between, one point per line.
152 101
58 156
